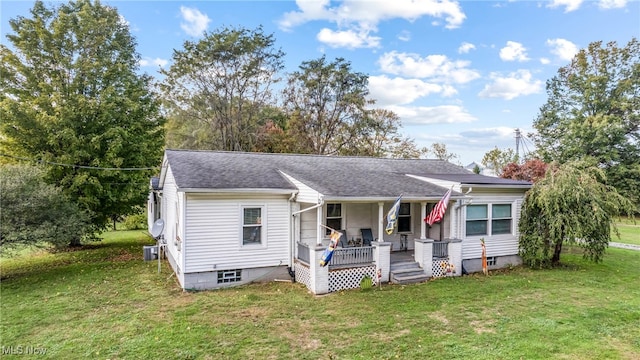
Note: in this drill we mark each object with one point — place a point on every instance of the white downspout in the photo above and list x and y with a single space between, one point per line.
292 231
380 222
423 225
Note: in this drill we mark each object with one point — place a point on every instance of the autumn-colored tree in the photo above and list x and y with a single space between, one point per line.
532 170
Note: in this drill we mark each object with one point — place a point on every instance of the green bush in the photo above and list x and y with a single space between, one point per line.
136 221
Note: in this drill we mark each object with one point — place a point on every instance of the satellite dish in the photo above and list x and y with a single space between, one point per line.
157 228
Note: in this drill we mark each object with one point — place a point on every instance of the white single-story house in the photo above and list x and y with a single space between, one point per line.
234 217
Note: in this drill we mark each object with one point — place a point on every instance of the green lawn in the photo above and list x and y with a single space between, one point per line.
629 232
104 302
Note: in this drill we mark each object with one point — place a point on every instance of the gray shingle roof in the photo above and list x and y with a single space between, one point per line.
334 176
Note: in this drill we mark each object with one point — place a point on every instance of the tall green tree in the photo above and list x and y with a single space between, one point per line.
441 152
326 105
35 213
593 110
570 205
498 159
217 87
70 94
379 136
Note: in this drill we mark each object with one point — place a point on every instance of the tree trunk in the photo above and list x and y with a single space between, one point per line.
74 242
555 260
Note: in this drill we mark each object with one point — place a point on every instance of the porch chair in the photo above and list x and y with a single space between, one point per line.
367 236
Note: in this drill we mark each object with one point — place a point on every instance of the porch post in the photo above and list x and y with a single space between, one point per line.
319 275
423 225
423 254
380 221
319 230
455 256
382 258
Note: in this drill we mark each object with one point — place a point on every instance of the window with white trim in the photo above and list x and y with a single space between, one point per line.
333 217
251 225
500 219
489 219
404 218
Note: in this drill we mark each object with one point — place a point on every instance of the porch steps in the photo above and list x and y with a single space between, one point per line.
407 272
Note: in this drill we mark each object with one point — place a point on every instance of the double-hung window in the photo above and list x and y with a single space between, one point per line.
500 219
489 219
477 220
252 225
333 217
404 218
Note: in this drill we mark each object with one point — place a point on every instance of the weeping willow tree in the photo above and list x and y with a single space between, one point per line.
572 204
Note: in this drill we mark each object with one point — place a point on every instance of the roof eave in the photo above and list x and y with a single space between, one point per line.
240 191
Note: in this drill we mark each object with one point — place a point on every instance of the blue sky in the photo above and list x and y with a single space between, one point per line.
463 73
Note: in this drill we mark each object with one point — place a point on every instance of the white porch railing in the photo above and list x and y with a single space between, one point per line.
304 253
352 256
440 249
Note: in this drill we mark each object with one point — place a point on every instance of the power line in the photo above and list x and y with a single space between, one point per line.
80 166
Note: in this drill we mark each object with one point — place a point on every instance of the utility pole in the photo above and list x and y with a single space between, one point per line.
518 139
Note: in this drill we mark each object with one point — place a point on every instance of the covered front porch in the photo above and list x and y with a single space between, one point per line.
348 266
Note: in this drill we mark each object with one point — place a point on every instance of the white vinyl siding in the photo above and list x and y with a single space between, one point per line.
170 206
214 226
305 193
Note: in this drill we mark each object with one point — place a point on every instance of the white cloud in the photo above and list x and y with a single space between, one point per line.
153 62
423 115
404 36
465 47
195 21
437 68
570 5
363 17
370 13
514 51
563 49
516 84
500 132
348 39
388 91
612 4
545 61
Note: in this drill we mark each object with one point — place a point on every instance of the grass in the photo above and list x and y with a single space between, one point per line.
104 302
629 232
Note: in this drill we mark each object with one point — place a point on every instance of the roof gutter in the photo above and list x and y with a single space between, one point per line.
388 199
239 191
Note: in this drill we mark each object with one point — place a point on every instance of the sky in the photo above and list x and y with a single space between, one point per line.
463 73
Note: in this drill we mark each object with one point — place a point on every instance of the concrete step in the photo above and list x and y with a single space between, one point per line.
409 279
407 272
405 265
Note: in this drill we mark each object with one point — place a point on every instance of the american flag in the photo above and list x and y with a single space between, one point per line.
438 211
